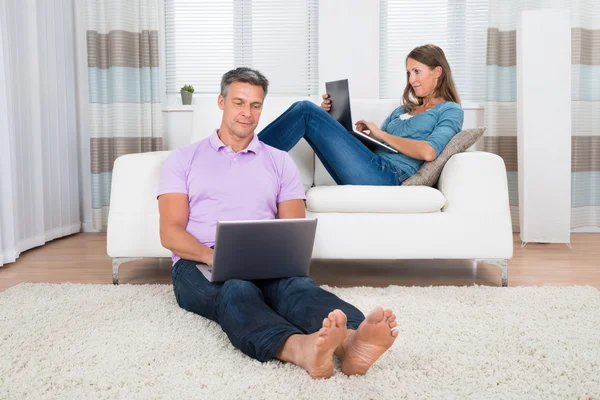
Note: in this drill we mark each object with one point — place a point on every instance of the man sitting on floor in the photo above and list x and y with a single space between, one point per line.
233 176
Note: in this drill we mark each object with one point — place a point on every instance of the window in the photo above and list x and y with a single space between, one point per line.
459 27
206 38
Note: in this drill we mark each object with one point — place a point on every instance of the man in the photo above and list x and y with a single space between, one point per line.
231 176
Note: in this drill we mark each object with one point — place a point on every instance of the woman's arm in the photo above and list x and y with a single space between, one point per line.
449 124
417 149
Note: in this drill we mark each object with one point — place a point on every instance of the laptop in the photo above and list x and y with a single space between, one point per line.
339 94
261 249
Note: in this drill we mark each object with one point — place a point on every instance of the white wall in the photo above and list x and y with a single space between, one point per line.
349 45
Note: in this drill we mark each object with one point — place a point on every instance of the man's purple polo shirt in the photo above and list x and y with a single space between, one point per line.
223 185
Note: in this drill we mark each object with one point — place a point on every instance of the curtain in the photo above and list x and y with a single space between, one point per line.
124 89
39 167
501 97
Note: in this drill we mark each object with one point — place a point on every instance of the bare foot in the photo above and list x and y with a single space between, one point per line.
314 352
319 356
372 338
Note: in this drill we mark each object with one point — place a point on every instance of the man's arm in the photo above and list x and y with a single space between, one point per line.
291 209
174 213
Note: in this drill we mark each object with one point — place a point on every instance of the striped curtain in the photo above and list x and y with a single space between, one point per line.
124 89
501 100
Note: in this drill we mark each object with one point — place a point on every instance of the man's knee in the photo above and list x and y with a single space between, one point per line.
239 288
298 283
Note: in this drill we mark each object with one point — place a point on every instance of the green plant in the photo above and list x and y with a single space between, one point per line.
188 88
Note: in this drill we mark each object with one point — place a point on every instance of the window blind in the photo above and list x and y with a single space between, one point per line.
459 27
206 38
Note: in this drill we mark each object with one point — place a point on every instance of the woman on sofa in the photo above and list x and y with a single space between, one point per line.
430 115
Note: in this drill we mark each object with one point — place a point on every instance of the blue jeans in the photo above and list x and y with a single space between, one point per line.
259 316
347 160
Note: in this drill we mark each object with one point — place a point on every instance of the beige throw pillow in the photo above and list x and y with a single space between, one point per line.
430 171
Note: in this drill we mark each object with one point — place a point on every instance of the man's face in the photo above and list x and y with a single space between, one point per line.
241 109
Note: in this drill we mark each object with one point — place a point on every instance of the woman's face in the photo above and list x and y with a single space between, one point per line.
422 78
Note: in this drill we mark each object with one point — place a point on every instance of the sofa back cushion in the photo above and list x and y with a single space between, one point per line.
430 171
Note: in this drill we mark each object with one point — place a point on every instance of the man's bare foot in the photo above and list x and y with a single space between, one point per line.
319 356
314 352
372 338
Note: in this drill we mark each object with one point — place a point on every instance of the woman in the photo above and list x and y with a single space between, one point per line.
419 129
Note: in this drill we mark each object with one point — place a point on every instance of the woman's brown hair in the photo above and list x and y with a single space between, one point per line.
432 56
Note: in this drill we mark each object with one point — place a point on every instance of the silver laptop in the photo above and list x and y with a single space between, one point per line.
339 94
264 249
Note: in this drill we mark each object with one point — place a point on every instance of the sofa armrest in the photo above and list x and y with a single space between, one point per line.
135 182
475 182
476 190
133 219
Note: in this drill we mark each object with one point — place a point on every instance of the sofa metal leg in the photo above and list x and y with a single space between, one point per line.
503 264
116 262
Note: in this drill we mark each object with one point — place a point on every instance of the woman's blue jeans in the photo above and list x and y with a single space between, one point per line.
259 316
347 160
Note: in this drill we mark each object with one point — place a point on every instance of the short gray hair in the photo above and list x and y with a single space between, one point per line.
245 75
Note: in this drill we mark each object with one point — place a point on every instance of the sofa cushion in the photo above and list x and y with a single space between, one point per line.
430 171
374 199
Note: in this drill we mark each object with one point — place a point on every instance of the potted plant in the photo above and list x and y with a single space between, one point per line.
186 94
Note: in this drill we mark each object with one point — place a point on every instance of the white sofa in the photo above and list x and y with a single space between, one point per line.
466 217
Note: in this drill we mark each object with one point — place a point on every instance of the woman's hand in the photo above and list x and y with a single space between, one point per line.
373 131
326 103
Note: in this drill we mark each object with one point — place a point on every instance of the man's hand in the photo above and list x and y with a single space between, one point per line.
373 131
210 258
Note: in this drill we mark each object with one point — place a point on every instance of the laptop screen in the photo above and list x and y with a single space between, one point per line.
339 95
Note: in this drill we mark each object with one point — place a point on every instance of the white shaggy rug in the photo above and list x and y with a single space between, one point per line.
100 341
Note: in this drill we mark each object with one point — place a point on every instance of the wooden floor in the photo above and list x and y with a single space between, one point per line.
82 258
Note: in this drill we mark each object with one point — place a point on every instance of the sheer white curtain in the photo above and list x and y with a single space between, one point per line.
39 165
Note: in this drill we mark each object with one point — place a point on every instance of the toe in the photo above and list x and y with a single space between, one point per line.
320 340
340 318
394 333
331 318
393 324
323 332
326 323
376 315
